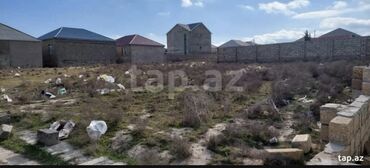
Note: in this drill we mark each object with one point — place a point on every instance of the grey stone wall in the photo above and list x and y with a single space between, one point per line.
24 54
198 41
147 54
175 40
76 53
355 48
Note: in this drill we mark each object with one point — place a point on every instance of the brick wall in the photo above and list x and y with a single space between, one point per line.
355 48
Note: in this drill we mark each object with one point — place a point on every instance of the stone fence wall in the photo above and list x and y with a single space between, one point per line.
314 50
346 128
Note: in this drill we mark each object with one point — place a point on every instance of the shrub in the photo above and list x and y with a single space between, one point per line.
180 148
196 108
214 141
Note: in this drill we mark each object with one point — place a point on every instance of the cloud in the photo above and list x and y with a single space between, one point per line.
336 9
246 7
282 35
276 7
164 13
190 3
343 21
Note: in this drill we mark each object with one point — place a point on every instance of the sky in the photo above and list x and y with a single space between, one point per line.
263 21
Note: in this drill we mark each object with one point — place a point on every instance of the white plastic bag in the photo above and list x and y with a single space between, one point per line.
96 129
106 78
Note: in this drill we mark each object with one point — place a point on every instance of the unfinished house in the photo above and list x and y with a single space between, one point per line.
236 43
189 39
76 47
137 49
18 49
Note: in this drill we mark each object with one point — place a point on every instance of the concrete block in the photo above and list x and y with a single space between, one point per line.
47 137
4 118
366 88
292 153
341 130
324 133
357 72
365 74
302 142
357 145
357 84
352 112
367 146
329 111
333 148
362 98
356 93
5 131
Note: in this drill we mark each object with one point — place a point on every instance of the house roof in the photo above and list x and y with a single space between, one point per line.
339 33
236 43
190 27
335 34
136 39
74 34
9 33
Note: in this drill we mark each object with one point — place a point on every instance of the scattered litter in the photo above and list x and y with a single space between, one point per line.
121 86
7 98
48 94
127 73
5 131
63 127
48 81
104 91
66 76
96 129
17 75
106 78
80 76
305 100
2 90
18 67
62 91
58 81
273 141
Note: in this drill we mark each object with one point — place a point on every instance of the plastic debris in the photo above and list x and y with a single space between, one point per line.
66 76
48 94
2 90
62 91
121 86
80 76
103 91
48 81
17 75
58 81
7 98
96 129
63 127
305 100
273 141
127 73
106 78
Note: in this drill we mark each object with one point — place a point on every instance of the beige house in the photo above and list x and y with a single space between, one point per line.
189 39
137 49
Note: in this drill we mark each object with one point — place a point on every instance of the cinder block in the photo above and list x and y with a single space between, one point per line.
366 88
357 72
329 111
341 130
357 84
356 93
302 142
5 131
4 118
354 113
292 153
324 133
47 137
365 74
